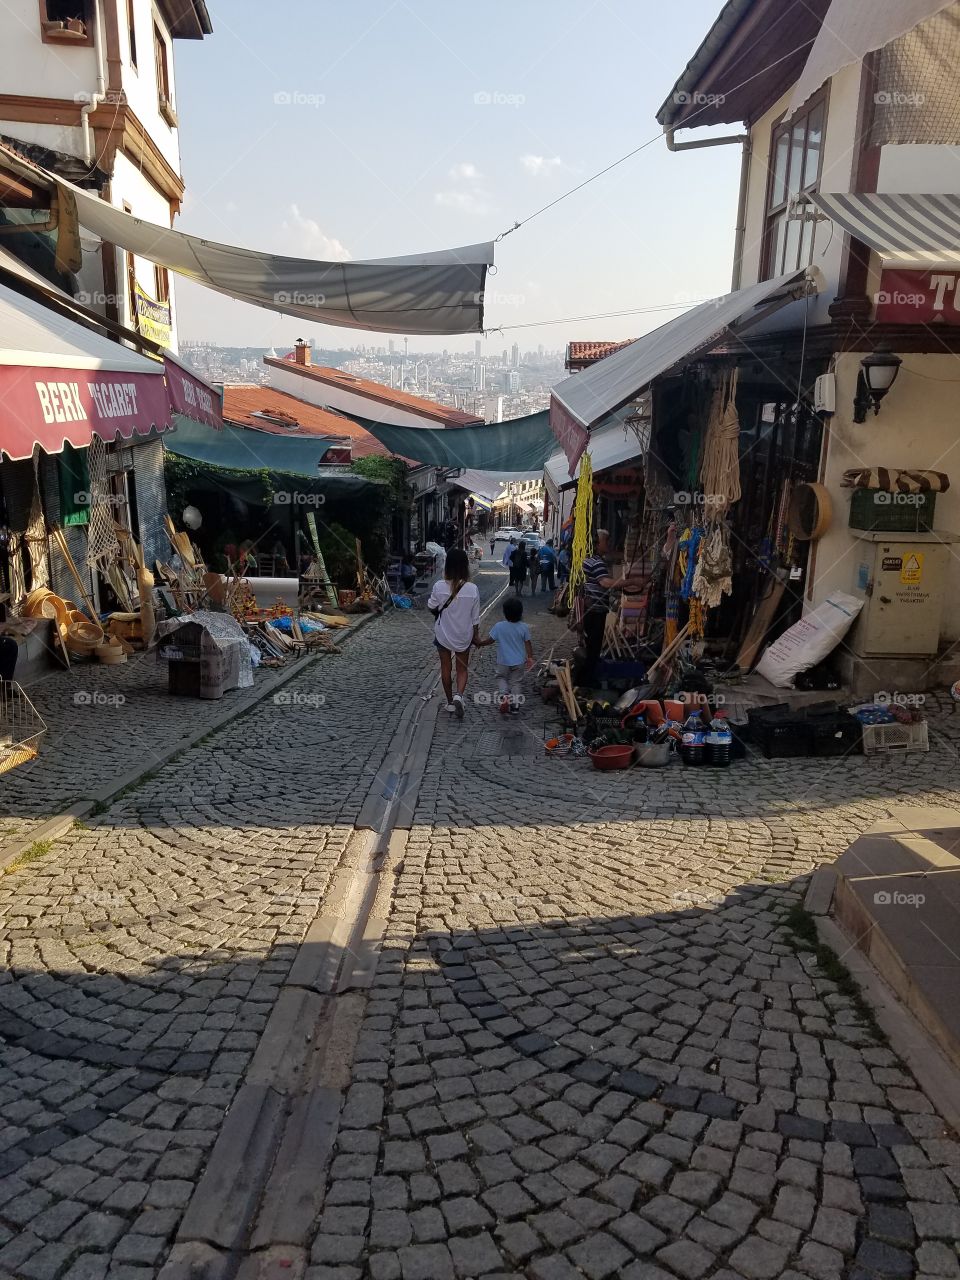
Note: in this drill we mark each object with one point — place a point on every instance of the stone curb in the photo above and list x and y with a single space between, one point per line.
57 826
935 1075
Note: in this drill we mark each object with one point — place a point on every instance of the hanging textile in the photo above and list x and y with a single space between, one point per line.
35 534
103 549
720 470
713 576
73 476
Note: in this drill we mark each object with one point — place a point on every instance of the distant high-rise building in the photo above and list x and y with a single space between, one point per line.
479 375
476 349
391 346
506 355
515 355
540 351
513 381
493 408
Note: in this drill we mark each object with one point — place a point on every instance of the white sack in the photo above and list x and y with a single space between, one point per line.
809 641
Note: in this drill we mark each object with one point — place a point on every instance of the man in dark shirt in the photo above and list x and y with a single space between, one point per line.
597 586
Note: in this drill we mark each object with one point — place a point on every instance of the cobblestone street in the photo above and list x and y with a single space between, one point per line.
590 1046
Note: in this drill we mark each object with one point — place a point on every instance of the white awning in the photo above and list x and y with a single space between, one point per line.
608 447
851 30
425 293
35 336
921 229
581 400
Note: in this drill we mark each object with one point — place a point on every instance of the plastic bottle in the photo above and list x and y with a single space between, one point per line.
692 743
719 741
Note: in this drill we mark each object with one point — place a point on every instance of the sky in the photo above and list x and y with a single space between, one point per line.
383 127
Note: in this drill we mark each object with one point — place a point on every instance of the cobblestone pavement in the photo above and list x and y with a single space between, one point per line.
97 718
591 1047
142 956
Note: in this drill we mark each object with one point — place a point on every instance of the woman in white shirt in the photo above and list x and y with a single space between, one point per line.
455 603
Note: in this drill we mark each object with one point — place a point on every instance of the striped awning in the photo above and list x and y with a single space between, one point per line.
917 229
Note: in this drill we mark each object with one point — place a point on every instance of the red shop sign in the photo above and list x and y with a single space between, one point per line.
924 296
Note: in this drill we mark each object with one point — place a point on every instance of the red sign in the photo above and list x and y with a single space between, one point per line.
51 406
572 436
191 396
930 295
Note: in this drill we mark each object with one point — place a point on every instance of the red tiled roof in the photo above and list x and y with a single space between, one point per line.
242 403
584 353
377 391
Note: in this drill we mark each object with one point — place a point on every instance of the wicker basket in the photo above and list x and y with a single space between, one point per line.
895 737
83 636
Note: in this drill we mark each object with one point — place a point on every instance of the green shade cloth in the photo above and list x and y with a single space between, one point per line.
73 474
242 449
523 444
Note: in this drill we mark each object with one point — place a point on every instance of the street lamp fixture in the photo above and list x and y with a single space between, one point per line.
878 372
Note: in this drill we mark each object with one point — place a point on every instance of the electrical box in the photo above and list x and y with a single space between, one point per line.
904 580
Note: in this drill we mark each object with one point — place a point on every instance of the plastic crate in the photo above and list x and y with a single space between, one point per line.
904 513
895 737
785 739
835 735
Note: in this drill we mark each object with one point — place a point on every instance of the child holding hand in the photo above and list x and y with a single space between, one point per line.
514 653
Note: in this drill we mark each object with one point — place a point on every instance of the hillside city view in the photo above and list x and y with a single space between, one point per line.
507 384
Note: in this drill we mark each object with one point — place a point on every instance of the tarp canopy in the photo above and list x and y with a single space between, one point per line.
851 30
490 483
905 228
244 449
580 401
429 293
522 444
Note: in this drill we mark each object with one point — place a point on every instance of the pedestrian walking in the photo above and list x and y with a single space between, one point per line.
533 566
548 563
518 568
514 654
507 557
493 545
455 603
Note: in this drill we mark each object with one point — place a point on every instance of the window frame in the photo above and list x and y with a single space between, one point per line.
772 214
132 33
64 37
162 60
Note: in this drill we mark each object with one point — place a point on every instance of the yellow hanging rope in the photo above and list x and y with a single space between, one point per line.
582 528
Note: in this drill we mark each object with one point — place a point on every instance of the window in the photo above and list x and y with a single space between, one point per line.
796 158
66 22
164 91
132 32
131 268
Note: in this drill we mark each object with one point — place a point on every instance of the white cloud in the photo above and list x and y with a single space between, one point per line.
466 171
309 240
465 201
467 194
541 166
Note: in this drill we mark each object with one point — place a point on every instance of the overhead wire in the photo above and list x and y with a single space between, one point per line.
522 222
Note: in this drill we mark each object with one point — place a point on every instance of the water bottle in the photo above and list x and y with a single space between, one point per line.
692 742
719 741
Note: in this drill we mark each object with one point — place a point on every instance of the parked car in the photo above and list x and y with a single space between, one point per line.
504 535
531 540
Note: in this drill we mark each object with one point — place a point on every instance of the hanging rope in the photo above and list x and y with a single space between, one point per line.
720 472
582 528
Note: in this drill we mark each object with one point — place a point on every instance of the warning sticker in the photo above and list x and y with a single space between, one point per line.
912 568
892 564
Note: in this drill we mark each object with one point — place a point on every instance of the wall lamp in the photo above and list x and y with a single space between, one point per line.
878 372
